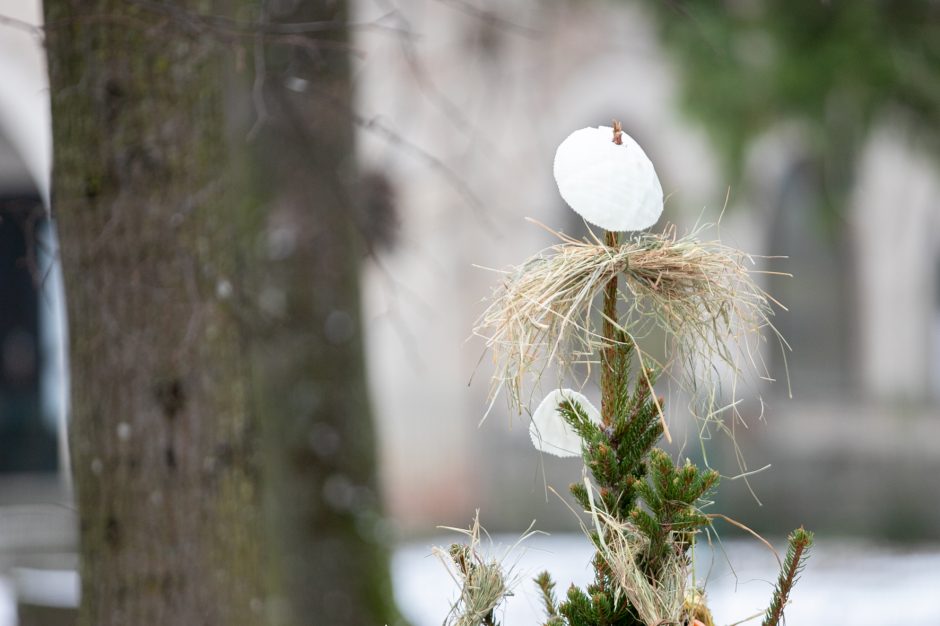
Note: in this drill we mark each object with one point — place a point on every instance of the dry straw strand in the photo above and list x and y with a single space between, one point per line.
484 582
702 294
621 545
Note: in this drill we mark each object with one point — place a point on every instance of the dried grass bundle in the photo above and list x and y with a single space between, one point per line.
656 602
702 295
484 582
621 544
484 587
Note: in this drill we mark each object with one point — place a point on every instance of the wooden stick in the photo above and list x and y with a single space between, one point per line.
609 353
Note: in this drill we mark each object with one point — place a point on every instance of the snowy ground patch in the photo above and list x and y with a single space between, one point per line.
844 582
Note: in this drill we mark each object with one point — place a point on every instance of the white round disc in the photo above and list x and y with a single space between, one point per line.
613 186
550 432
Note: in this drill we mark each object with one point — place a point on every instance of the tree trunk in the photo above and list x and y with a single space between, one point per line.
163 446
322 493
212 296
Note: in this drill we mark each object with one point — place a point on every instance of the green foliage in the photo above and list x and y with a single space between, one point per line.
835 67
672 517
616 453
598 605
638 486
637 483
800 542
547 588
747 65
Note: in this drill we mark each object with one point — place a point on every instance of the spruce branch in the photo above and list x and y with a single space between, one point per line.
616 453
800 541
671 516
547 588
578 419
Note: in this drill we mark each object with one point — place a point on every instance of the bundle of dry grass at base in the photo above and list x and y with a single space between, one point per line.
622 545
484 582
483 587
660 601
703 295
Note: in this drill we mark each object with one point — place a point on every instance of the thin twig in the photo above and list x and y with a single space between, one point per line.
31 29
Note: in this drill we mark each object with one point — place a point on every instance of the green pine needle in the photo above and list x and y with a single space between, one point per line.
547 588
800 541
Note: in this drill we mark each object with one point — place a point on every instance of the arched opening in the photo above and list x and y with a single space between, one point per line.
820 320
30 342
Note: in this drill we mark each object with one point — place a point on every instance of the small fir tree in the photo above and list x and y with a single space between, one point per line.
645 510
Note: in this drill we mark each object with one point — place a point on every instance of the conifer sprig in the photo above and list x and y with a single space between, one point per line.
638 549
672 516
547 588
616 453
800 541
645 509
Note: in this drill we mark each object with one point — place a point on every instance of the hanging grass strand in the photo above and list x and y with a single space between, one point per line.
702 295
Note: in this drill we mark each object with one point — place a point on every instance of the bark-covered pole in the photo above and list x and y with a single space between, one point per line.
163 442
608 326
212 293
608 331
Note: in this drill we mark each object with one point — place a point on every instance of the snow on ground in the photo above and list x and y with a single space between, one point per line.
844 583
7 604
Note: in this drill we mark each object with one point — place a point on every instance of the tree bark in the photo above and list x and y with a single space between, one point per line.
322 493
164 448
212 294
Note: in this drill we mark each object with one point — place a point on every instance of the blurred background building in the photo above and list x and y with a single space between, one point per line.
37 533
27 412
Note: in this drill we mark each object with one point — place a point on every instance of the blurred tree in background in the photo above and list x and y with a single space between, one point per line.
837 68
203 190
323 499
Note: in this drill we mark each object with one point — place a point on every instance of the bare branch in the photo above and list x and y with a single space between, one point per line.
491 17
31 29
